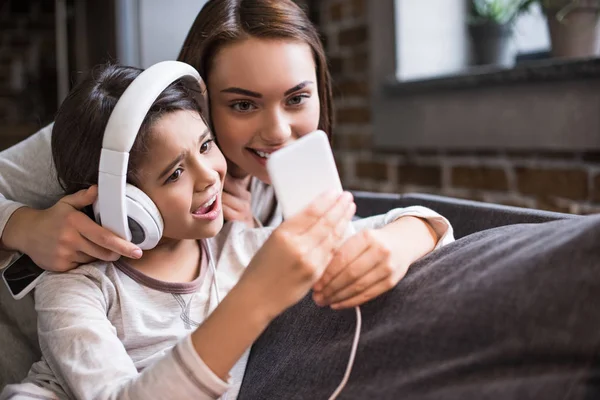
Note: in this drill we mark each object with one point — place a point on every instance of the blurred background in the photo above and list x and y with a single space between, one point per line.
492 100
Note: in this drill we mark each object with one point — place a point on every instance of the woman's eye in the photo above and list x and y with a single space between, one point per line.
206 146
298 99
243 106
175 175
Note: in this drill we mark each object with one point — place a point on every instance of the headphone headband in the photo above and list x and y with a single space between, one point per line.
131 108
116 210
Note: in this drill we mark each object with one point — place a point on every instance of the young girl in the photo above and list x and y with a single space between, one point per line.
153 327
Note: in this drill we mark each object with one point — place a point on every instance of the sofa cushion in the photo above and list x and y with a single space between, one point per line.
511 312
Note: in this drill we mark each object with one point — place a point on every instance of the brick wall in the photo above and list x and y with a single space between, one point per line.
568 182
27 68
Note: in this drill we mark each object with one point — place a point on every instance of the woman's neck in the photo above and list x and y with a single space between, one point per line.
171 261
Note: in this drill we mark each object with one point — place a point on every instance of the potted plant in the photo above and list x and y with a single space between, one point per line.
491 30
574 27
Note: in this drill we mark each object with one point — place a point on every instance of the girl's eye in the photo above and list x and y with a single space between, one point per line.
298 99
206 146
243 106
175 175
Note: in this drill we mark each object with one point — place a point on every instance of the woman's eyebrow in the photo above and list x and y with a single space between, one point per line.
299 86
244 92
250 93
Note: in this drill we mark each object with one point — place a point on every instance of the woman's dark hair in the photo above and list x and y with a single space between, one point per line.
224 22
79 126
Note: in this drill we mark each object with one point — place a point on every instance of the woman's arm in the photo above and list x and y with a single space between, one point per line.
374 260
27 175
36 221
27 171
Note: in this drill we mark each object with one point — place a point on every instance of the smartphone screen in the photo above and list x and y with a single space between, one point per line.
20 274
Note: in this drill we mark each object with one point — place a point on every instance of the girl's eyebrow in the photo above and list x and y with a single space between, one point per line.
181 156
250 93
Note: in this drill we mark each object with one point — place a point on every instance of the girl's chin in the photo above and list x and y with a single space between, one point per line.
211 229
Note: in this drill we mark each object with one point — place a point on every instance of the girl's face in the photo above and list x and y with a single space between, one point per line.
263 96
183 174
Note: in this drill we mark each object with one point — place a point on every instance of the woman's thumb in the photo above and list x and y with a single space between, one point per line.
82 198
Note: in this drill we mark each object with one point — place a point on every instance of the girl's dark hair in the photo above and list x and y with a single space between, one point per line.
223 22
81 119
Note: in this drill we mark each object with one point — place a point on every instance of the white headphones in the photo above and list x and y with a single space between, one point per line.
123 208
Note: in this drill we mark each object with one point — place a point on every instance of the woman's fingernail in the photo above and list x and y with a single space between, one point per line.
137 253
318 298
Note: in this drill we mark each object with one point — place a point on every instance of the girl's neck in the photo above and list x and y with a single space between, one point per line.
171 261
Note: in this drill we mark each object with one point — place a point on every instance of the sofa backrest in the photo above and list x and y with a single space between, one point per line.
466 216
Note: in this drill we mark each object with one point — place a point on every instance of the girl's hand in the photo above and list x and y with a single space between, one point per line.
236 200
297 253
372 262
62 237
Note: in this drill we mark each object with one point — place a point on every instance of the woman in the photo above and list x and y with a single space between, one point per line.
268 85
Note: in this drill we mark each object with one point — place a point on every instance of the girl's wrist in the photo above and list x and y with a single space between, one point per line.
255 303
230 330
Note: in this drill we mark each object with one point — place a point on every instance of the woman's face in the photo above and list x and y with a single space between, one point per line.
263 96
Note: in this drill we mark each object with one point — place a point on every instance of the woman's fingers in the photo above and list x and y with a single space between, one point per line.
238 187
96 252
380 287
81 258
234 208
236 198
105 238
344 256
82 198
346 287
351 272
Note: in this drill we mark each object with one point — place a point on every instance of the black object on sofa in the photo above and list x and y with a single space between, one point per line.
466 216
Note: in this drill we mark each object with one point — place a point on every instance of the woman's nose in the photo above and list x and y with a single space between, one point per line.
277 128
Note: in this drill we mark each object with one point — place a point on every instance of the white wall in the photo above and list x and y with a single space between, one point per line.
149 31
432 38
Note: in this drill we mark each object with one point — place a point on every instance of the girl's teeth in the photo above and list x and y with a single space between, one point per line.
263 155
209 203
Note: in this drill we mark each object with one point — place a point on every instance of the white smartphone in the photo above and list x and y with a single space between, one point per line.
21 276
302 171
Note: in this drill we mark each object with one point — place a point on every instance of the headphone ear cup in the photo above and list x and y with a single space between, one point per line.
143 217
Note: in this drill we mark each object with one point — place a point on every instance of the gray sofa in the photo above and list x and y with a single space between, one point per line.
466 216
